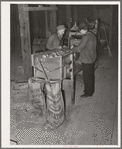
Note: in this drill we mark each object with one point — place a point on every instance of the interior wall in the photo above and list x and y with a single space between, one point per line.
103 13
37 24
15 28
61 13
115 25
109 15
83 11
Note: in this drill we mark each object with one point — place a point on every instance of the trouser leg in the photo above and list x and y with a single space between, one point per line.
88 78
77 68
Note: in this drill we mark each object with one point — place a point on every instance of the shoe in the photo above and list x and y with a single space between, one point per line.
85 96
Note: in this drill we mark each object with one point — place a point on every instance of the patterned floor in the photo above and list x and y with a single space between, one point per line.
90 122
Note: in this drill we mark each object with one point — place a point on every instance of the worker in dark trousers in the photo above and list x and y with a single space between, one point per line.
87 50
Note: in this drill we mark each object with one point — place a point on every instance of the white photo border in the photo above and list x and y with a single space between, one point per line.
5 71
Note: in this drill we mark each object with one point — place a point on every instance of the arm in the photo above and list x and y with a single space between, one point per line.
81 45
49 44
53 43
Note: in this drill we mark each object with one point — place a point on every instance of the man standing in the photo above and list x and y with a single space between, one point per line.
55 40
87 49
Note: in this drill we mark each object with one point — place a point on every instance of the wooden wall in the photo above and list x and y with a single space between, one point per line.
85 11
37 24
109 15
15 28
37 19
61 14
78 13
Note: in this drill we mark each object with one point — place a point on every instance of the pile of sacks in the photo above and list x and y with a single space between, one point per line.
35 92
28 100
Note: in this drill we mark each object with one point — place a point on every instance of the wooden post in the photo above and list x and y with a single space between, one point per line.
72 81
25 40
53 19
68 16
12 33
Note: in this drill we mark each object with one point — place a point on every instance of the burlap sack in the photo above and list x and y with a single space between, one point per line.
55 104
36 95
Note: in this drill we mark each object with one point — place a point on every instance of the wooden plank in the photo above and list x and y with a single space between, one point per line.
25 40
68 16
53 19
111 25
72 80
75 16
46 23
61 69
51 22
39 8
34 25
95 12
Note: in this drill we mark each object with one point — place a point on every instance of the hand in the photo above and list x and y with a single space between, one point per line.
64 46
60 47
72 47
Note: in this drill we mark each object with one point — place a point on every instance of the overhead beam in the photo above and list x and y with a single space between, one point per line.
39 8
25 40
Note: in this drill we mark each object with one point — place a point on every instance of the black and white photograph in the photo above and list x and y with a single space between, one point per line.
60 74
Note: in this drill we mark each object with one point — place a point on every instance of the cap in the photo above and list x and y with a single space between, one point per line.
61 27
83 25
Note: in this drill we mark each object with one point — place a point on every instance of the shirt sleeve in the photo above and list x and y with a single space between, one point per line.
49 44
81 45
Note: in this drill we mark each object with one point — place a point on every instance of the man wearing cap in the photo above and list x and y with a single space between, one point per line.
87 50
54 41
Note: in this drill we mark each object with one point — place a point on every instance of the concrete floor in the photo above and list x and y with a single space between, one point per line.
92 121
